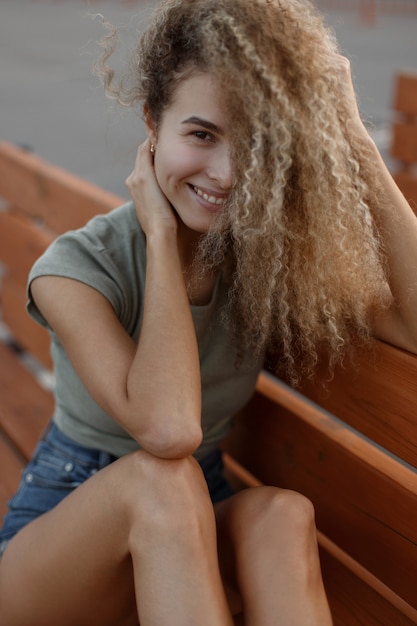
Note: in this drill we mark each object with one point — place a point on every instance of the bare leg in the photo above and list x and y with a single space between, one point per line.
268 547
142 528
177 578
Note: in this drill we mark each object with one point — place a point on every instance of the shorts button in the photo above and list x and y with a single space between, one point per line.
69 467
29 478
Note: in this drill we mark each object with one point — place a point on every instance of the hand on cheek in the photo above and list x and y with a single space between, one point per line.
152 207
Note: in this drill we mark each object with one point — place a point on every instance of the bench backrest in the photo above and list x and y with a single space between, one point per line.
404 134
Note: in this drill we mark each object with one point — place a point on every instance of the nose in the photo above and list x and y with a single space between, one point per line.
220 167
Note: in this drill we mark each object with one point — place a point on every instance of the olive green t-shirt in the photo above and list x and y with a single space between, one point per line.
109 254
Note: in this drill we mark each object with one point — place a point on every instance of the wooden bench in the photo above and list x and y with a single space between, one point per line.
352 449
38 202
404 134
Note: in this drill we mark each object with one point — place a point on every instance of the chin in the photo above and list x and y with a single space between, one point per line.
197 226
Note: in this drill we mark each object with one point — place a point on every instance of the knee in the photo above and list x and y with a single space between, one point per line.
277 522
294 515
284 513
277 542
162 495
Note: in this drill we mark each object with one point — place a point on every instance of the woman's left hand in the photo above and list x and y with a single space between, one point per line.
345 84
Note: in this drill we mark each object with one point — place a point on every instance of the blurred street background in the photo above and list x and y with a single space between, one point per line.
51 102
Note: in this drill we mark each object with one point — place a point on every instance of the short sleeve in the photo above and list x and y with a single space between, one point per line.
105 255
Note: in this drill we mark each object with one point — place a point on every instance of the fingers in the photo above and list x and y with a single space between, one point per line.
152 207
346 92
143 165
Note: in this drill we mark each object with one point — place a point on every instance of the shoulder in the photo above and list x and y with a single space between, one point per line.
120 224
108 254
105 236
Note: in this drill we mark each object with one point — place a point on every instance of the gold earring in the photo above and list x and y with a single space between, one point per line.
152 149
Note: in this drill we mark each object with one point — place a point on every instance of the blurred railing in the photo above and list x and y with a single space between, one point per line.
368 10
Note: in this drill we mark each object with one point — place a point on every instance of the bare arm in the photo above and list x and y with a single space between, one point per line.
153 389
398 325
398 225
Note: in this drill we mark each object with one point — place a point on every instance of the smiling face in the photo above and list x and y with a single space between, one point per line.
192 159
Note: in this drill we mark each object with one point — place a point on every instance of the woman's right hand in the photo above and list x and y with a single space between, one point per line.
152 207
167 425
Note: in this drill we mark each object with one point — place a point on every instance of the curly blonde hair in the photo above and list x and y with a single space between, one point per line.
300 230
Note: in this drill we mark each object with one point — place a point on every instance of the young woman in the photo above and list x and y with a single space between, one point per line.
262 220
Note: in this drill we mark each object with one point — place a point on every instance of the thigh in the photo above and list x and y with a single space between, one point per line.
71 565
58 466
72 556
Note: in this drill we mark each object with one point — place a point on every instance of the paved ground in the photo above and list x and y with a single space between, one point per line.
50 101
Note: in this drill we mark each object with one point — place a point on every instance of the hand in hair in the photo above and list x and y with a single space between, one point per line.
343 73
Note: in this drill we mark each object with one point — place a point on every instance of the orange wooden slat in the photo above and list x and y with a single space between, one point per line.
27 333
382 597
21 243
60 199
405 96
365 501
404 142
355 603
25 407
377 395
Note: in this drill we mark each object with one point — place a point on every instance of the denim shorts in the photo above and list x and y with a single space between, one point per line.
59 465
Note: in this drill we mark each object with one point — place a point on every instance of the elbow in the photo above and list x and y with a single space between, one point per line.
171 443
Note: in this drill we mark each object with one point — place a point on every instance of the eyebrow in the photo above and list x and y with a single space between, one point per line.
198 121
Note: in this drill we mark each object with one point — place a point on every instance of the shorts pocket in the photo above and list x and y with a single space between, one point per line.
48 478
52 468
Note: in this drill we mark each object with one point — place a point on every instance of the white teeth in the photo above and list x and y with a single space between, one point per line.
211 199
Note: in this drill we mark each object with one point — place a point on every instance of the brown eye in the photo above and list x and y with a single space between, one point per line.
203 135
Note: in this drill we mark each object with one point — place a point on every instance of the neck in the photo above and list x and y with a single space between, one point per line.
200 284
187 245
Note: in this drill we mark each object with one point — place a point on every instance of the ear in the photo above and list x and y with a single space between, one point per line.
149 123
